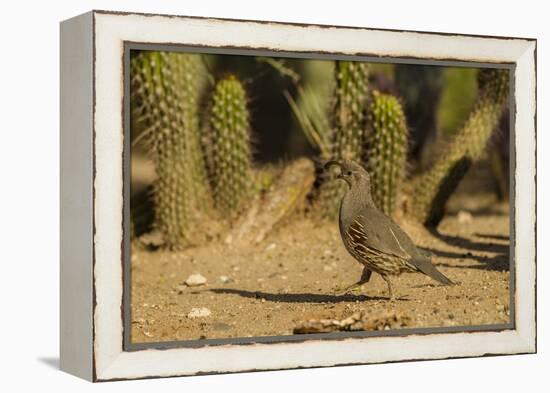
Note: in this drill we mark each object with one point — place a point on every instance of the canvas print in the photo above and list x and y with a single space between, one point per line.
285 196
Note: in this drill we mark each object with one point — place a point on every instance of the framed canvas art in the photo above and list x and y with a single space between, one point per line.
247 195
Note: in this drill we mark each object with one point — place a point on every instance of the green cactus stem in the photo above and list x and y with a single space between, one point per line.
229 147
386 150
348 130
433 188
165 95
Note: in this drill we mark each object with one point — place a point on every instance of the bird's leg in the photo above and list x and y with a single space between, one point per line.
365 277
387 279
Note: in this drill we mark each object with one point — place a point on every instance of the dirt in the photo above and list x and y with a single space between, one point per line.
294 276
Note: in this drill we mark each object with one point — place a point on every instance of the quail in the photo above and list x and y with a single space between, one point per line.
371 237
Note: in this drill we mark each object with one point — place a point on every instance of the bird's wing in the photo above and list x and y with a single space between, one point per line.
383 235
379 232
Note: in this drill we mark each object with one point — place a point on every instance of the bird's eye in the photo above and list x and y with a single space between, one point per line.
348 173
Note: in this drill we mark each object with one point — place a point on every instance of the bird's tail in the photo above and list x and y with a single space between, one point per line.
425 266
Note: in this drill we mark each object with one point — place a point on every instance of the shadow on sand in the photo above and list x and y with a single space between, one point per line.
497 244
297 297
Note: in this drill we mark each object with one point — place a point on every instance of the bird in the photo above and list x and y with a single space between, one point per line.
373 238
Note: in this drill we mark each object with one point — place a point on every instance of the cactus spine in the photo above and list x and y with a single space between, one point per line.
229 155
386 150
348 130
433 189
166 88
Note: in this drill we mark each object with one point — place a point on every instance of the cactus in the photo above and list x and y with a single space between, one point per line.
165 95
433 188
228 144
348 127
386 149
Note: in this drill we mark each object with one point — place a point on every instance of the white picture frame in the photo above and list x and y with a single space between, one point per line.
93 248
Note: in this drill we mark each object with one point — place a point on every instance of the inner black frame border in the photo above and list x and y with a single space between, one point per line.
129 46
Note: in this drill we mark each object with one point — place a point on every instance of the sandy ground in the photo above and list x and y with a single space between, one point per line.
295 276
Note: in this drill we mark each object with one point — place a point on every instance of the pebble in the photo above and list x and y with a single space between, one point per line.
271 247
195 280
200 312
224 279
464 217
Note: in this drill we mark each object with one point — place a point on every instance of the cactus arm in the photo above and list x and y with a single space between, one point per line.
229 148
386 150
433 188
165 93
349 118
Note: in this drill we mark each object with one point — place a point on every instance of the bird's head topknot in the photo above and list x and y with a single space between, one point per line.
350 171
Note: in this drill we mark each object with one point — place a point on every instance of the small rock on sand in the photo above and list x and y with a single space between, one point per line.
464 217
200 312
195 280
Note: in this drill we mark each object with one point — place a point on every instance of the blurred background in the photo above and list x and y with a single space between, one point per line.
436 101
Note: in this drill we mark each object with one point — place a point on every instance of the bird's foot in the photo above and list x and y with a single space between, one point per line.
352 289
